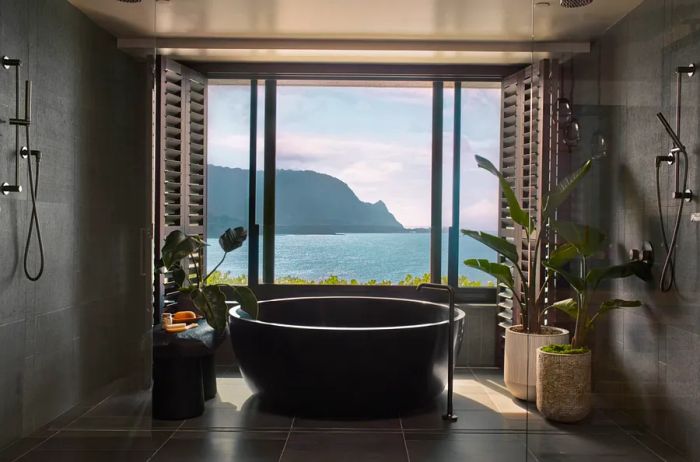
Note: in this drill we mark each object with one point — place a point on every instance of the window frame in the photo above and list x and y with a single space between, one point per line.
269 74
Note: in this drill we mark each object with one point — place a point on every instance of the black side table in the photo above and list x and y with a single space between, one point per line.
184 375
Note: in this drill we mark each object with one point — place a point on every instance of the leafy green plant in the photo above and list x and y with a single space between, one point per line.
528 296
571 260
179 249
217 277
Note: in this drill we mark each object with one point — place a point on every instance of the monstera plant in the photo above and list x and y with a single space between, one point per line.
572 261
180 249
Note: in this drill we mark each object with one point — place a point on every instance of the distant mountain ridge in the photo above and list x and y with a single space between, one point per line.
307 202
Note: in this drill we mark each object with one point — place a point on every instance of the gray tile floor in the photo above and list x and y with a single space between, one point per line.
492 427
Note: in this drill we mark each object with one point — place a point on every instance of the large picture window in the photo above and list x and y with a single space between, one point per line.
352 179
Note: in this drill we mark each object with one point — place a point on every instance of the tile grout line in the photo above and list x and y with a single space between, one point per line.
403 436
165 442
638 441
56 432
36 446
289 435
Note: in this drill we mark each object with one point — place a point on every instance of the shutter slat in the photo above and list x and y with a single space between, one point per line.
181 151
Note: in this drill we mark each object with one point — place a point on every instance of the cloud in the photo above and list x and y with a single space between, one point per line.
377 140
480 215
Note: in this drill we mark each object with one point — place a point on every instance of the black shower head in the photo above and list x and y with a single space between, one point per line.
669 130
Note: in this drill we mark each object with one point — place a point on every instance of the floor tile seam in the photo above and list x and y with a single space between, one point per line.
58 430
34 447
225 428
645 446
150 458
118 430
405 444
90 409
396 431
286 441
626 431
410 431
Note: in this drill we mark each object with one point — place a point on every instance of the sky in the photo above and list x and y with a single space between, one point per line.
375 139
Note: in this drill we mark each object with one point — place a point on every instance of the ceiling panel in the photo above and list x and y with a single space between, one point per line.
380 20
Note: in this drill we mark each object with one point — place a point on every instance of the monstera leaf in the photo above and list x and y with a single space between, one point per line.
211 301
518 215
247 299
179 245
232 239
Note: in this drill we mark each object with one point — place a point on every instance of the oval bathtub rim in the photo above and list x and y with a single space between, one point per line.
460 314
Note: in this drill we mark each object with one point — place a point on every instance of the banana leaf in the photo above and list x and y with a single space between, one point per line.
518 215
496 243
498 270
568 306
562 190
586 239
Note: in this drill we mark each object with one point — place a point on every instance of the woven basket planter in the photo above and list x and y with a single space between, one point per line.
520 358
564 385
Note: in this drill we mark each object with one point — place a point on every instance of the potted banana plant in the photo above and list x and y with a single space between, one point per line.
528 334
181 249
564 370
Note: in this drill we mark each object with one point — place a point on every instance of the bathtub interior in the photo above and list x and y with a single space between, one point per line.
353 312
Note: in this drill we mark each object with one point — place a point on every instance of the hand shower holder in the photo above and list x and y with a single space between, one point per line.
16 121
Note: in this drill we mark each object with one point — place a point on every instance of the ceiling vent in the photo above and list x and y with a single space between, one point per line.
574 3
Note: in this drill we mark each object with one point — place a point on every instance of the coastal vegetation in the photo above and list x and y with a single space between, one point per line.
219 277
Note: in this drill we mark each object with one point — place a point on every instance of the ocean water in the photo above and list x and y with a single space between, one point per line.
380 256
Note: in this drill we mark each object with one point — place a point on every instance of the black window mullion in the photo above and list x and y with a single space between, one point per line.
453 242
253 228
436 186
269 168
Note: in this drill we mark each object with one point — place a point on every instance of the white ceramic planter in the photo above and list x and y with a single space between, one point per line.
519 366
564 386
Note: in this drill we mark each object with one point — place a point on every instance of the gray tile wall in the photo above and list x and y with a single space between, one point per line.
646 360
83 325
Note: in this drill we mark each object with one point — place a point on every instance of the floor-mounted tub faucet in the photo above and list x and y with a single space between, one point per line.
449 415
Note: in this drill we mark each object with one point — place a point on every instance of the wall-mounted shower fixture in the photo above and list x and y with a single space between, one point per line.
7 188
25 152
568 124
678 156
645 253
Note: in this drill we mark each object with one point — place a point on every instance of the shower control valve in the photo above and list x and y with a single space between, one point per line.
7 188
645 254
686 195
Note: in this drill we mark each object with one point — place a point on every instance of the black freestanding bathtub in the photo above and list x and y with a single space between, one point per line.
345 354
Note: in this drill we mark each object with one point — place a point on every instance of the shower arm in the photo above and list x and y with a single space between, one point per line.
449 414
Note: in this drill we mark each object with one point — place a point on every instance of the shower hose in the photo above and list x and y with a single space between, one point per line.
668 272
34 219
